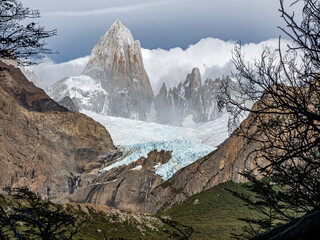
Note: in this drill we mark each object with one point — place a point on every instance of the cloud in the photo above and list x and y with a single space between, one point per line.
49 72
108 10
212 57
156 23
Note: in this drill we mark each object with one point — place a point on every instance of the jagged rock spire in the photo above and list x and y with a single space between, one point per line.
189 98
116 61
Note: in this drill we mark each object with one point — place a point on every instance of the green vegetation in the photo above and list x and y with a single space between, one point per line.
88 222
217 213
99 225
212 214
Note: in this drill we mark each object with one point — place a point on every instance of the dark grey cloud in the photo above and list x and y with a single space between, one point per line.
156 23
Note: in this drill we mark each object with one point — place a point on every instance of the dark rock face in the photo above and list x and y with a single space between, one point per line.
125 187
42 144
307 227
189 98
69 104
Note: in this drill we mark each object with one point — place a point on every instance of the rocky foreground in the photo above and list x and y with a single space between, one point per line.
43 145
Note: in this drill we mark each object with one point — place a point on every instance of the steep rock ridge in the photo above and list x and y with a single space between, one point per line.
116 71
223 164
116 61
162 104
126 187
42 144
191 97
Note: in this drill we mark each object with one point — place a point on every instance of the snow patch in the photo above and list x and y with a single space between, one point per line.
137 168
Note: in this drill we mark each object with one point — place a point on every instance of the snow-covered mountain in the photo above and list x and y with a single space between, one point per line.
188 98
114 82
85 91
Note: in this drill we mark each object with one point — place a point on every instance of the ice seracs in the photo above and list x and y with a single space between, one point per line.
136 139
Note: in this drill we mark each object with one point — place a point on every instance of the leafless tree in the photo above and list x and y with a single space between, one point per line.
21 38
284 85
30 217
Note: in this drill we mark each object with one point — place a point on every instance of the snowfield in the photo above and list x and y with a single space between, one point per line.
187 143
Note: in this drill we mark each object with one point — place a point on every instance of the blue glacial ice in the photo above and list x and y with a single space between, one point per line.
184 152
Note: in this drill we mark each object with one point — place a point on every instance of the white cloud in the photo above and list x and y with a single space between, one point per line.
49 72
210 55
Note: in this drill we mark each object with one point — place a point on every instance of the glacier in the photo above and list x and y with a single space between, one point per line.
187 143
183 153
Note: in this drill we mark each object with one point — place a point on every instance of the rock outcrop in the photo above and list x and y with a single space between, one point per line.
188 98
222 165
116 72
68 103
125 187
43 145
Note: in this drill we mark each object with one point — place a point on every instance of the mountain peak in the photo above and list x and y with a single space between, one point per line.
119 33
116 64
117 24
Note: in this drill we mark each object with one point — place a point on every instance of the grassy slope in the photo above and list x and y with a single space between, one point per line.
217 213
214 217
113 229
97 224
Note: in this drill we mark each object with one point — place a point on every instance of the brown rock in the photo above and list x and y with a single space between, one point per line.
222 165
126 187
42 144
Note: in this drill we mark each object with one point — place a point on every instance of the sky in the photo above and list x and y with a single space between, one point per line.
156 23
175 35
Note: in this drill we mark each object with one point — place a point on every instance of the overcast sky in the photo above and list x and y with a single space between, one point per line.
175 35
156 23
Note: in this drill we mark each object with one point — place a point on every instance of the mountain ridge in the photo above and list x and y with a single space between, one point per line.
43 145
121 86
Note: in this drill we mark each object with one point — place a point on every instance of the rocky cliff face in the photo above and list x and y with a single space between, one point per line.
223 164
125 187
115 83
136 187
188 98
43 145
116 71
